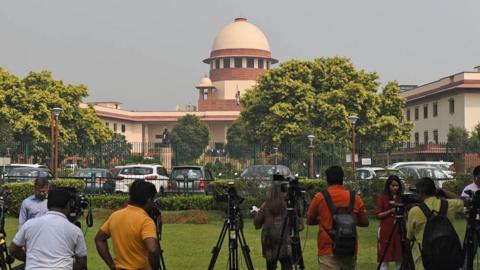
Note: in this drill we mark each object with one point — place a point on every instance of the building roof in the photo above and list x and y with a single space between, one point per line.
241 35
205 83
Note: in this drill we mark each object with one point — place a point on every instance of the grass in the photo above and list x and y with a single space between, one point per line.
189 246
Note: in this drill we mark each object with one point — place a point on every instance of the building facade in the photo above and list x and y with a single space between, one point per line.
450 101
239 55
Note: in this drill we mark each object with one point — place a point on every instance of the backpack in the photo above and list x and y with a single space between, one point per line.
441 248
344 231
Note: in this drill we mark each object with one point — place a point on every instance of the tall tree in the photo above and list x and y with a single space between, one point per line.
237 146
6 138
189 137
26 105
316 97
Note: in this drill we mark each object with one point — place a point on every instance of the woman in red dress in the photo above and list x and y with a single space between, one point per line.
385 212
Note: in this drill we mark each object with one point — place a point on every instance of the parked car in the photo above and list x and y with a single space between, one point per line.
417 172
445 166
189 178
376 172
25 174
265 172
6 168
102 182
154 173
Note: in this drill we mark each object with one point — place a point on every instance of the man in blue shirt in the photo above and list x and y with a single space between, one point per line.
36 204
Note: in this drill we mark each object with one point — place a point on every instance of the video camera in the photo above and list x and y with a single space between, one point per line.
472 202
405 199
288 184
78 202
230 196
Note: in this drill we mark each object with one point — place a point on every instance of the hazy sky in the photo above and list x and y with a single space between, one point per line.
148 54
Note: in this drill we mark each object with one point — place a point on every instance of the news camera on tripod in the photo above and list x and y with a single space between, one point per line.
280 220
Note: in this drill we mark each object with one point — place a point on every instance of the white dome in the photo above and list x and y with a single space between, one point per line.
241 35
205 83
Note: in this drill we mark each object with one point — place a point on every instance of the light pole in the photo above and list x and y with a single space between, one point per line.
353 119
275 150
55 113
310 152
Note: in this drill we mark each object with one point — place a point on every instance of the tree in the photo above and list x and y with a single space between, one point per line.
316 97
237 146
457 139
189 137
26 105
6 138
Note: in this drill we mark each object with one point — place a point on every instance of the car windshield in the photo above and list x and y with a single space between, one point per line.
88 173
433 173
137 171
188 172
259 171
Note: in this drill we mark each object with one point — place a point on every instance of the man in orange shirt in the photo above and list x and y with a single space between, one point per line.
132 231
319 213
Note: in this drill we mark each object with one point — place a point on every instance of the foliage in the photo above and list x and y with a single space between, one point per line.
198 202
65 182
227 170
26 105
316 97
190 137
457 139
108 201
6 137
237 146
139 159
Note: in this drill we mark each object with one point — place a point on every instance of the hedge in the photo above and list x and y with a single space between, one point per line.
15 193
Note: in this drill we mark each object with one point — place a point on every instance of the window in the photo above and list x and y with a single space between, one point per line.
238 62
107 124
417 138
425 111
226 62
217 63
451 105
260 63
425 137
250 62
158 136
268 64
408 114
416 113
115 127
205 94
435 109
435 136
123 128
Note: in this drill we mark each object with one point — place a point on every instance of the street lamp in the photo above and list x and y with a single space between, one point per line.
275 150
310 152
54 140
353 119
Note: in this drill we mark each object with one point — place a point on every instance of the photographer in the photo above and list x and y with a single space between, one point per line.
51 241
320 213
132 231
417 220
36 204
476 183
270 218
390 249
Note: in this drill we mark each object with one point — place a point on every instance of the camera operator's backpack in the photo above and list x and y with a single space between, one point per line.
441 248
344 231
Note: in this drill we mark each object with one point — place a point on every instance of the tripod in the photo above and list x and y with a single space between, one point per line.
472 239
291 222
400 226
234 226
6 259
156 215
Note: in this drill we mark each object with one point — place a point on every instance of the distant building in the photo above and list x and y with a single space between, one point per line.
450 101
239 55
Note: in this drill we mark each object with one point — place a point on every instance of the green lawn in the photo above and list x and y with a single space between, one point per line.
189 246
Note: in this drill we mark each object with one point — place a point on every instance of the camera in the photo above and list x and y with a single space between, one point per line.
78 202
230 196
473 201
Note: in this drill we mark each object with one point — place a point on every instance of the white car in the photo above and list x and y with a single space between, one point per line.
419 171
366 173
445 166
154 173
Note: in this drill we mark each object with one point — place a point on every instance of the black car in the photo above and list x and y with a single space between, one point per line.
25 174
188 178
97 180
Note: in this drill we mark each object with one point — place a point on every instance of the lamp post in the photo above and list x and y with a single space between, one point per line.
353 119
310 152
54 162
275 150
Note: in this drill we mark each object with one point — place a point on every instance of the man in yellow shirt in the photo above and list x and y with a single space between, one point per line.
133 232
417 220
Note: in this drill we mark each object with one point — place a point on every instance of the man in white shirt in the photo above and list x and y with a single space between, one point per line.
51 241
475 186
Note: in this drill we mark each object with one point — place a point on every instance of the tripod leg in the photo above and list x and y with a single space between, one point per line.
245 250
218 246
297 256
390 236
282 235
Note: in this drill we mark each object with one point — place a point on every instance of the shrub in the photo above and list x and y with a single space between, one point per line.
108 201
15 193
197 202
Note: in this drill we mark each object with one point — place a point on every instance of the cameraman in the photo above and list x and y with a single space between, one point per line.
427 193
476 183
132 231
389 249
51 241
36 204
270 218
